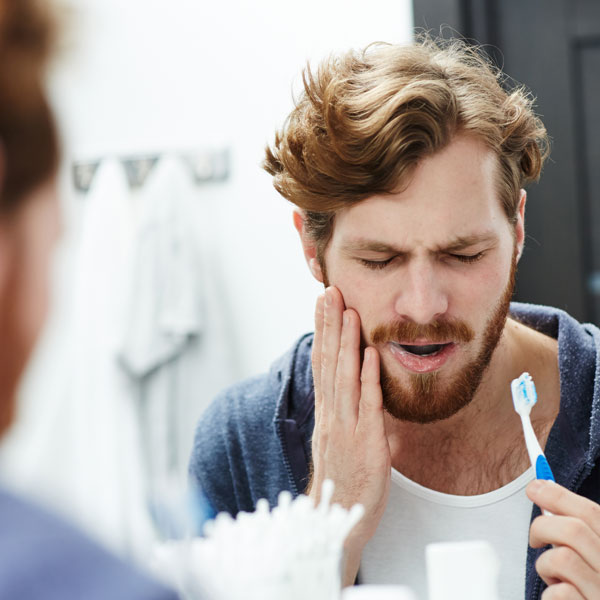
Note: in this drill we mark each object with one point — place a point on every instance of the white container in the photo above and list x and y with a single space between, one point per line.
378 592
462 571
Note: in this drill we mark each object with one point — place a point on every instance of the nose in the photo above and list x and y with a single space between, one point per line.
420 295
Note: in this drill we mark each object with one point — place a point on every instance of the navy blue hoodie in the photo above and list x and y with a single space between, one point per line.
254 440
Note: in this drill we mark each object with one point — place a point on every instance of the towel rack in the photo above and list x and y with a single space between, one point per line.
205 166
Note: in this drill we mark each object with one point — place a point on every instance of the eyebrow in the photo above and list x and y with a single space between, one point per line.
455 244
369 246
462 242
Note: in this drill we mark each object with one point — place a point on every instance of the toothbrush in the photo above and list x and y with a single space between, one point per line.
524 397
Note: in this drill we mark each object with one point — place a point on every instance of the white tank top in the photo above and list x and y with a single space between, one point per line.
416 516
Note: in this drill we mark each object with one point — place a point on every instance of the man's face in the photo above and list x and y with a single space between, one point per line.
430 271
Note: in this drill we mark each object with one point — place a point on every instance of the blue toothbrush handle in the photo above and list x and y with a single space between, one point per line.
542 468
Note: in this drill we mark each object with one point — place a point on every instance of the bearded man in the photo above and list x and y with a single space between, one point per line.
407 167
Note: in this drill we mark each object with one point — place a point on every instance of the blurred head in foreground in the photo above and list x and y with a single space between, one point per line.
29 156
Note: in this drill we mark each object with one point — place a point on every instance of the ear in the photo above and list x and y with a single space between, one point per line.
308 246
520 224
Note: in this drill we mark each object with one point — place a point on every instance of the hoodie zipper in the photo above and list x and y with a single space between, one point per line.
286 458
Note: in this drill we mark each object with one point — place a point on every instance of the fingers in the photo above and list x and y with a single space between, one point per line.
330 348
336 364
562 591
316 348
572 567
371 399
564 565
560 501
356 457
347 385
567 531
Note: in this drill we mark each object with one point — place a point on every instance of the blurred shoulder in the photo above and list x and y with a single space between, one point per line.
42 556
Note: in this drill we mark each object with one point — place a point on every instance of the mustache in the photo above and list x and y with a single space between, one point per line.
436 331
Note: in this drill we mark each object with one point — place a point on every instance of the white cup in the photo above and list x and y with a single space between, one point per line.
462 571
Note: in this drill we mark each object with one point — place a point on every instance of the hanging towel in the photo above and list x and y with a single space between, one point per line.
164 319
105 433
165 307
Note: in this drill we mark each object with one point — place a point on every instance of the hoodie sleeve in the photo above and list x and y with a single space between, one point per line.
236 457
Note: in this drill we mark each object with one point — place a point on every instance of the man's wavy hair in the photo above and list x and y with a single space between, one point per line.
29 151
366 118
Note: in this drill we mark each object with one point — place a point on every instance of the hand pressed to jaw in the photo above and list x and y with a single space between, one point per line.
349 443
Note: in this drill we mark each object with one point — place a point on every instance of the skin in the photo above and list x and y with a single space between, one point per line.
572 567
451 197
27 238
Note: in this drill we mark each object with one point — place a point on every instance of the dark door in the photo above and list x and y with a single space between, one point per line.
553 47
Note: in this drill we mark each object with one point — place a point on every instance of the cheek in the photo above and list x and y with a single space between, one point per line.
32 291
33 283
373 302
480 300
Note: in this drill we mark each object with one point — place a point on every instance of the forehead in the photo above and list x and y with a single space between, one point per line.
451 194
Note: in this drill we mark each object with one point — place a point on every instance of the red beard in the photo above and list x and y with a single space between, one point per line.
425 400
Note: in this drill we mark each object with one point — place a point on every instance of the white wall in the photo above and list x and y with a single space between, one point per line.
150 75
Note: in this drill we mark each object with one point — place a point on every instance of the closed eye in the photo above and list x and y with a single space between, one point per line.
376 264
468 258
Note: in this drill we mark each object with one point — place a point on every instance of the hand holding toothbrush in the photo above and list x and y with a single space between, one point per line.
571 568
349 444
571 523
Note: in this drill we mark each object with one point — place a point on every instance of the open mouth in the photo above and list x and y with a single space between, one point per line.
422 350
422 358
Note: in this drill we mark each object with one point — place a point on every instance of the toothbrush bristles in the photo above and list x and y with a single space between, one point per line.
523 393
